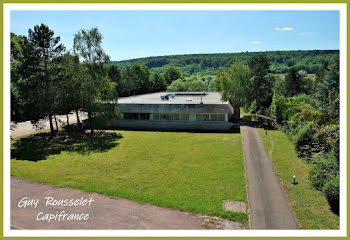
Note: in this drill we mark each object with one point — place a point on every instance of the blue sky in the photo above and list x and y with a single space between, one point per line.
134 34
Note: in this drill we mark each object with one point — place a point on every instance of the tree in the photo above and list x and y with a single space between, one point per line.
171 74
73 77
328 81
116 76
129 82
262 80
158 82
140 75
292 83
98 87
177 86
235 84
47 47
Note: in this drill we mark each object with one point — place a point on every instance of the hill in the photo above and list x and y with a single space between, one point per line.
207 64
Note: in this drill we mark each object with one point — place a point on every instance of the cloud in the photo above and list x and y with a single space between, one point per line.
284 29
304 34
256 42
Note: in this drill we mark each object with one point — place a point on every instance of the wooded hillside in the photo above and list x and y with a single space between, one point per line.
310 61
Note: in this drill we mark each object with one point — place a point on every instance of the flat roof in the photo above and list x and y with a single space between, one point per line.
180 98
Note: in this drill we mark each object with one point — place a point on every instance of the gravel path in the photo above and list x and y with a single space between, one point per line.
24 128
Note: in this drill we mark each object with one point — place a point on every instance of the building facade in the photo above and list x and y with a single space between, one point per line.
173 111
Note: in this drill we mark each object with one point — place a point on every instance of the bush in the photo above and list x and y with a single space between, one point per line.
303 137
325 168
331 191
328 136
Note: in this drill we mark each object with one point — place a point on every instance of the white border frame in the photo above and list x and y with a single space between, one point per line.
342 7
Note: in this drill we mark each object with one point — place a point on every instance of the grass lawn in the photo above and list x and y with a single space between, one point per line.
310 205
188 171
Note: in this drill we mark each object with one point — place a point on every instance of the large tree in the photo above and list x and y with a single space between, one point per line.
262 80
47 47
98 87
235 85
171 74
293 84
115 75
328 80
140 75
158 82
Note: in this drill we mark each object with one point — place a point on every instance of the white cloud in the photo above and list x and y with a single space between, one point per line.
284 29
256 42
304 34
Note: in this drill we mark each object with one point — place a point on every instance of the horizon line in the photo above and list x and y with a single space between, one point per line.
184 54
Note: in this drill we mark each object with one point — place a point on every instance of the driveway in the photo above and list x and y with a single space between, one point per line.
104 212
268 206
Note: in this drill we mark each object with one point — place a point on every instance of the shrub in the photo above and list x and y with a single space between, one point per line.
328 136
325 168
331 191
303 137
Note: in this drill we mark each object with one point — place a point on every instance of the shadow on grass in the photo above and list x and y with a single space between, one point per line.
39 146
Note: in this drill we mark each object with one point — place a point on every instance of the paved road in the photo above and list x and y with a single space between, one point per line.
24 128
104 212
268 206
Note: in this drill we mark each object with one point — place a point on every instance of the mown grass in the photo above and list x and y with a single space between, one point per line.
187 171
310 205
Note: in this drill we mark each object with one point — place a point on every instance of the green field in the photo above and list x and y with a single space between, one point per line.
188 171
310 205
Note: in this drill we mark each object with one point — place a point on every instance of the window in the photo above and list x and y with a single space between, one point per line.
164 116
184 116
155 116
202 117
144 116
176 116
217 117
169 116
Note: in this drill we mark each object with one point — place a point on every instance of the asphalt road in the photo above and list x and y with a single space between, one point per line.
104 212
268 206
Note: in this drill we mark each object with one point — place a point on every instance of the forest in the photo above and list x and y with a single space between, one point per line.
310 61
299 89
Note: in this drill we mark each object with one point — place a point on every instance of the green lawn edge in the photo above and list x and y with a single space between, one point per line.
308 204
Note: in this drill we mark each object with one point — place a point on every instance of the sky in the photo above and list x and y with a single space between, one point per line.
135 34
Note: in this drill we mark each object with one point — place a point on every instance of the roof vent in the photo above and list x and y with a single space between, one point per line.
164 97
189 99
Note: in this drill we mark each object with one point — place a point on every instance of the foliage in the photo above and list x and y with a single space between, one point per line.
331 190
207 64
235 84
293 83
158 82
98 86
115 75
171 74
325 168
328 80
262 81
35 82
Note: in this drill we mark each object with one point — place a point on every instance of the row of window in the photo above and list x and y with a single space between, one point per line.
166 116
171 116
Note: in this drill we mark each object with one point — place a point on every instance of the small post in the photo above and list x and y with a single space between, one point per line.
293 181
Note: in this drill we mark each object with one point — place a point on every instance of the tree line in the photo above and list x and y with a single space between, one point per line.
305 108
310 61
